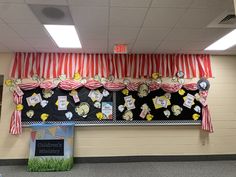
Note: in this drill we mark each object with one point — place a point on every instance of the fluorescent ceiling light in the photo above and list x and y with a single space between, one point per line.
65 36
225 42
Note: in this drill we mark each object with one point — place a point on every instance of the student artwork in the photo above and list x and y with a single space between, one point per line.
30 114
95 95
143 90
44 103
189 101
161 102
180 77
126 81
82 109
34 99
155 76
176 109
44 117
107 110
181 92
77 76
168 95
97 105
128 115
19 107
47 93
69 115
195 116
75 96
105 93
129 102
197 96
145 111
203 84
167 113
62 103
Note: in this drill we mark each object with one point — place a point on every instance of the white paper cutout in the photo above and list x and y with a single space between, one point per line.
97 105
167 113
189 101
105 93
43 103
69 115
121 108
34 99
62 103
129 102
197 109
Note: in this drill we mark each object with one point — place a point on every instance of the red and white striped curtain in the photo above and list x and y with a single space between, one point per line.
52 65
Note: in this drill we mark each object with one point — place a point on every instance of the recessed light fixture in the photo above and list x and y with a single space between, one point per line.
227 41
65 36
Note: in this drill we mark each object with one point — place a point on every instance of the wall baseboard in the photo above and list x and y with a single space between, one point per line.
123 159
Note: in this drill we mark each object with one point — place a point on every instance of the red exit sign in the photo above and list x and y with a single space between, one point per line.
120 48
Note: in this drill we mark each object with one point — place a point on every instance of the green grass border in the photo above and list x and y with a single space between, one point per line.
38 164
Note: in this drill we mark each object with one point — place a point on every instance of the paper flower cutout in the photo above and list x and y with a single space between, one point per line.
19 107
197 109
43 103
167 113
44 117
69 115
149 117
99 116
77 76
181 92
126 81
30 114
105 93
128 115
47 93
195 116
121 108
97 104
176 109
143 90
125 91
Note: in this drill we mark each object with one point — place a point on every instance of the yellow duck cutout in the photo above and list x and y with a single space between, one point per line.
99 115
181 92
77 76
19 107
155 76
195 116
44 117
149 117
125 91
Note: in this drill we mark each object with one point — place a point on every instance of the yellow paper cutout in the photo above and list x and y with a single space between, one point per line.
155 76
99 115
44 116
19 107
181 92
9 82
149 117
195 116
77 76
125 91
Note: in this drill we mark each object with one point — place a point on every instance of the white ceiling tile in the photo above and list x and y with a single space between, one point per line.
171 3
29 30
198 18
4 48
90 17
47 2
41 42
17 13
130 3
123 33
89 2
127 17
163 17
145 46
17 45
127 41
98 33
183 45
6 32
94 44
207 34
212 4
153 34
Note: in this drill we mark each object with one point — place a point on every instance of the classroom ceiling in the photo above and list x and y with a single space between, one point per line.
147 26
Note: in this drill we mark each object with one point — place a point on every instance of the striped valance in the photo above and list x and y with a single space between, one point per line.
52 65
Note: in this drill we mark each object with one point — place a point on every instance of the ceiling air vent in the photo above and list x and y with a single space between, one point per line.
225 20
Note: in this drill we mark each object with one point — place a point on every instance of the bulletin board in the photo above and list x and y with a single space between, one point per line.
116 99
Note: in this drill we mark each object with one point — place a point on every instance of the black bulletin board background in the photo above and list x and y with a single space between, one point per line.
59 116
